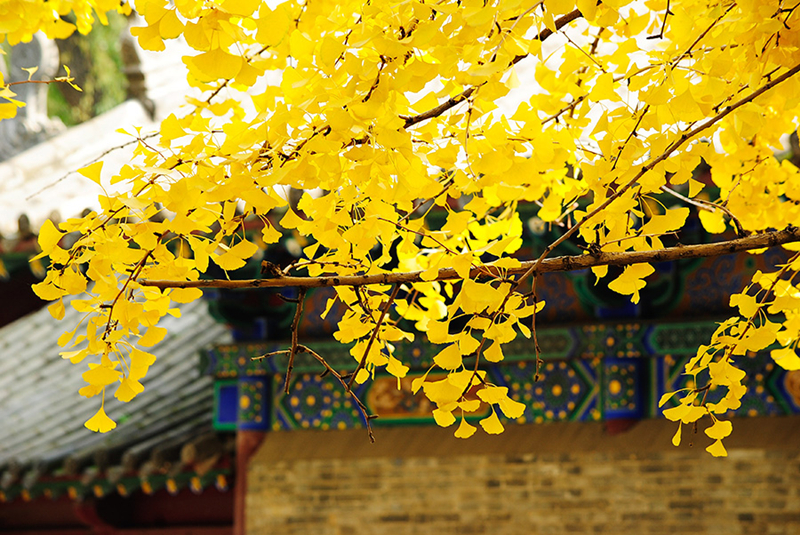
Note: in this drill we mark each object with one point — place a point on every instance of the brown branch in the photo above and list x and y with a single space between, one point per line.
563 263
675 145
271 354
709 207
328 369
377 328
536 347
464 95
418 233
293 351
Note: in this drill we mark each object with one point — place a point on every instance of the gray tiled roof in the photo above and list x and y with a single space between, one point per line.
42 414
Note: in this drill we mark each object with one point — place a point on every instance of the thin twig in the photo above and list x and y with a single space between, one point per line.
272 354
293 351
674 146
464 95
536 347
421 234
102 155
708 206
328 369
372 338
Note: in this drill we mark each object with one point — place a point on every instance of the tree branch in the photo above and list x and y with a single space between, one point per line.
360 404
293 351
375 331
675 145
464 95
563 263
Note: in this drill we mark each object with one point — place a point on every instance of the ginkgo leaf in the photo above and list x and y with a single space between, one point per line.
719 430
512 409
396 368
492 425
465 430
57 309
362 376
92 172
632 280
149 37
493 394
100 422
717 449
471 405
75 356
494 352
747 304
672 220
713 222
49 236
185 295
269 234
90 391
139 358
214 64
449 358
786 358
443 418
676 439
128 389
153 336
101 375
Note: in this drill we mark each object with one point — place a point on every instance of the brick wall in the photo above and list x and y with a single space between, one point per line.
556 478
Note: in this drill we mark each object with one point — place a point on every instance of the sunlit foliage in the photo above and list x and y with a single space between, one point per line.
384 111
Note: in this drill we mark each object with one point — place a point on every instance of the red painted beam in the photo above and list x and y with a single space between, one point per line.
247 443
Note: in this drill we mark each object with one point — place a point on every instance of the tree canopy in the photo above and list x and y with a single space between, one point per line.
382 113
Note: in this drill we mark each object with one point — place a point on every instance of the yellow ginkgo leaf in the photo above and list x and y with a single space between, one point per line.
443 418
57 309
492 425
128 389
49 236
672 220
717 449
153 336
149 37
8 110
493 394
494 352
465 430
676 439
632 280
101 375
449 358
75 356
100 422
512 409
47 291
213 65
396 368
470 405
139 358
92 172
719 430
713 222
362 376
89 391
786 358
185 295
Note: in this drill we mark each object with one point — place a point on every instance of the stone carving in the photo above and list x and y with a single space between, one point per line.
31 125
